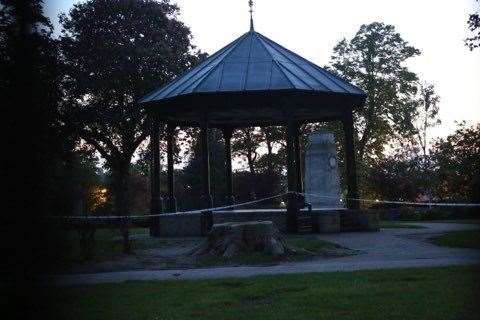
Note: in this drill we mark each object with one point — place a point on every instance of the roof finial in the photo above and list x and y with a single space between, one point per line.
250 3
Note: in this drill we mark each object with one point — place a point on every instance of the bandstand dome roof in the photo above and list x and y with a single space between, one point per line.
253 81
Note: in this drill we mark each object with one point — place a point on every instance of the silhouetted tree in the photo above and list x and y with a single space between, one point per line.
457 162
374 59
114 53
246 142
190 182
29 94
396 177
474 27
427 114
273 137
32 149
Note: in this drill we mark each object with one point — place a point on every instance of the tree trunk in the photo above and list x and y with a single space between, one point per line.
361 144
228 240
269 155
251 166
251 163
121 177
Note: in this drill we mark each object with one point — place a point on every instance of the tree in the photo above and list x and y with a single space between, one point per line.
474 27
29 93
416 146
427 114
273 136
245 144
32 143
114 53
397 177
189 187
457 160
375 59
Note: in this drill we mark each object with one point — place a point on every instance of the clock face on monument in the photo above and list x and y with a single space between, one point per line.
333 162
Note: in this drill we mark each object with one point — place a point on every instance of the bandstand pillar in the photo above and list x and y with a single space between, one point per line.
156 202
206 197
351 171
292 205
298 165
227 135
172 201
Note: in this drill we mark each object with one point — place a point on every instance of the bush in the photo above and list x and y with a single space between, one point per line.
422 213
466 213
388 214
444 213
409 213
437 214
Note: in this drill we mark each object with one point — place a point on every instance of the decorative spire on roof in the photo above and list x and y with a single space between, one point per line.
250 3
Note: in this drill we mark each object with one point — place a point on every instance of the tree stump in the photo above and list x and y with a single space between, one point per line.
233 238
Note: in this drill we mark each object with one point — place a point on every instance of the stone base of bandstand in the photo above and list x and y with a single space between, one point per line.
323 220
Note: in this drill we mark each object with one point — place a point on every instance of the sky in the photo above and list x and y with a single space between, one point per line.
312 28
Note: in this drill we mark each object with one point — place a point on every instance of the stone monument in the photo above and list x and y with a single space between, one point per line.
322 183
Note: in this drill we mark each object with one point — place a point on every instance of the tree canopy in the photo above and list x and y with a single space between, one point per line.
374 59
33 142
450 174
457 162
474 26
115 52
427 109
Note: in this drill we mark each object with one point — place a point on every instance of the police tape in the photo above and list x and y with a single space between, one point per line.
426 204
171 213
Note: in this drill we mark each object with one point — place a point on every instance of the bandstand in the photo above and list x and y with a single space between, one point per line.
253 81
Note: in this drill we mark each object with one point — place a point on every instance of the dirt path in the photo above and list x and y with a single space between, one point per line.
390 248
170 255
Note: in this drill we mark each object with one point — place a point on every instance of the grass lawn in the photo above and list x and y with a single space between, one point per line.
462 239
424 293
399 224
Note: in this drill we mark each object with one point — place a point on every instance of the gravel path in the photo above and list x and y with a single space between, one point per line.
390 248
